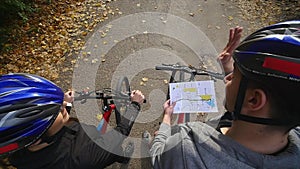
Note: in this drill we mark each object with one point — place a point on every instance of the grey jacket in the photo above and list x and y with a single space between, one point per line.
197 145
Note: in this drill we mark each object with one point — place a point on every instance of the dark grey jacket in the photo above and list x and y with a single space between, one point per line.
197 145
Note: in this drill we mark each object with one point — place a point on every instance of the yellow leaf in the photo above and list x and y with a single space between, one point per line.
99 116
145 79
84 33
142 84
191 14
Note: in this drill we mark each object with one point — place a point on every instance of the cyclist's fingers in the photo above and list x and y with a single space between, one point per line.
173 104
72 92
138 96
166 104
69 96
142 95
231 35
138 92
234 38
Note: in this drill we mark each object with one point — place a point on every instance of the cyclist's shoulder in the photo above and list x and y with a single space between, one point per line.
81 131
83 127
296 133
197 129
294 140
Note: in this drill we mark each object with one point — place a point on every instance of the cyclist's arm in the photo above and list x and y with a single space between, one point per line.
128 118
164 132
95 150
108 149
159 144
111 142
161 154
166 150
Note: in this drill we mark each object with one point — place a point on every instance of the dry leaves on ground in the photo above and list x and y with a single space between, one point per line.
261 13
51 36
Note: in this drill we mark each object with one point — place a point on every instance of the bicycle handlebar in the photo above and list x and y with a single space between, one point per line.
190 70
101 95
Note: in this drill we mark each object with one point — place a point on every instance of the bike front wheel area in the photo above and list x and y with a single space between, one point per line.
122 98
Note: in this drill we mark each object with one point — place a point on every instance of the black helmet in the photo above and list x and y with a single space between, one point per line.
29 104
271 53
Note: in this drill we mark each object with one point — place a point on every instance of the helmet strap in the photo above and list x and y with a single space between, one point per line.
240 98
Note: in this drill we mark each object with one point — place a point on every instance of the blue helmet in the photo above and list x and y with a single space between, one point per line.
271 52
269 55
29 104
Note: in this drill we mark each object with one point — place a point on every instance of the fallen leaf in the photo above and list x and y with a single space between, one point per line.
145 79
191 14
99 116
94 60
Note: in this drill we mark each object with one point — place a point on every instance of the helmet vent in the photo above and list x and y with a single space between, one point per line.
5 93
30 113
15 132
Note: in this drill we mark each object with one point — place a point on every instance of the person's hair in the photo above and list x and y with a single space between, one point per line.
283 100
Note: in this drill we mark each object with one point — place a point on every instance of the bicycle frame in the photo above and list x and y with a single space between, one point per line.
113 101
108 109
109 99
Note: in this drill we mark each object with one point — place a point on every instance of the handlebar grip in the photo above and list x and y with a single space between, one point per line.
162 67
219 76
78 98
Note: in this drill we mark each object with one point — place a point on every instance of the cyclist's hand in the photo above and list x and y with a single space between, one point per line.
69 96
169 108
225 56
137 96
168 111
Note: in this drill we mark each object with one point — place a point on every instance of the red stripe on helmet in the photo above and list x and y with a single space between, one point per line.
8 148
282 66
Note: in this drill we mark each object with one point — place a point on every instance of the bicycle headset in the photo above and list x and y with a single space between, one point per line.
29 104
269 55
